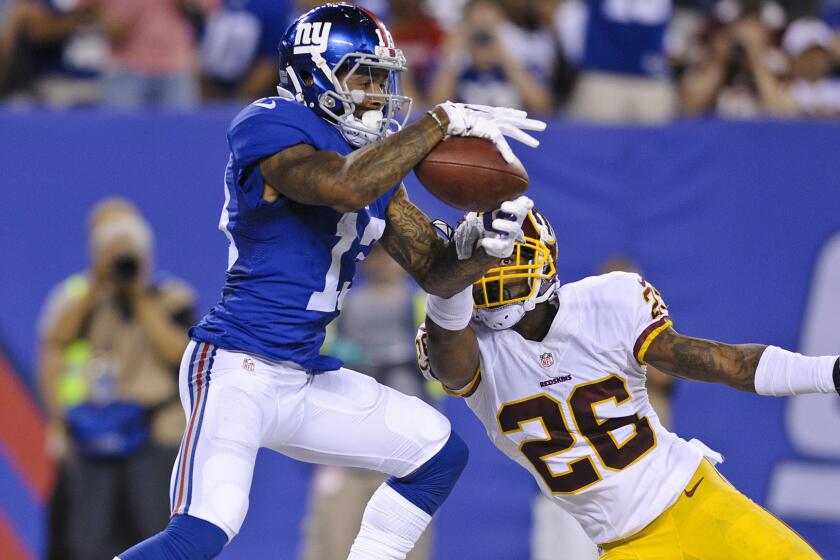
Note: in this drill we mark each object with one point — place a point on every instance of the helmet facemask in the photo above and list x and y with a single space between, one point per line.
533 259
376 124
339 103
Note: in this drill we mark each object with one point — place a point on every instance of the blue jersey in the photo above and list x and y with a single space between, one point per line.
289 264
627 37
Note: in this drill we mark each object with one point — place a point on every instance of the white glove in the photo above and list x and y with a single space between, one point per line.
496 231
492 123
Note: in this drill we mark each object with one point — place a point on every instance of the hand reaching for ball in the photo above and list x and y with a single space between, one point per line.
492 123
470 174
474 169
496 232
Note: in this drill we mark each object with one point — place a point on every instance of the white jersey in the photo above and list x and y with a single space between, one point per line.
573 409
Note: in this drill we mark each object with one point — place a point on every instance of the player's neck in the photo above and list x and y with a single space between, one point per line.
536 323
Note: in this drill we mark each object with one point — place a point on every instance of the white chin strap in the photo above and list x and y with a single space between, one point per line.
506 316
500 318
361 132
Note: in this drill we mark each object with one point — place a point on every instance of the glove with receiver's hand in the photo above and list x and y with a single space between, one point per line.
492 123
496 231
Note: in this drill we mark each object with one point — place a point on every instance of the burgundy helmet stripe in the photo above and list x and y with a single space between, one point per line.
383 31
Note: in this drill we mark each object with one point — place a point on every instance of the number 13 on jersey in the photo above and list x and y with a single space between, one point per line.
331 298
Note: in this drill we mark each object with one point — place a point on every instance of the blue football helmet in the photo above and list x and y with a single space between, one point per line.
327 45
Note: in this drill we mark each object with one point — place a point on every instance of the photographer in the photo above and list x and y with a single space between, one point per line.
111 341
480 67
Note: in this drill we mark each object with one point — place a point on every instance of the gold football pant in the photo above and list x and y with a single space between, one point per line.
711 520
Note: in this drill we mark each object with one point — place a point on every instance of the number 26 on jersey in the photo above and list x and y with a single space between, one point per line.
580 473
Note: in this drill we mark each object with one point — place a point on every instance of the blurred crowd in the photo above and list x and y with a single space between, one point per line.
599 60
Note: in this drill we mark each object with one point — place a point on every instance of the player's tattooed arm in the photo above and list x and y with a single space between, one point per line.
705 360
414 243
347 183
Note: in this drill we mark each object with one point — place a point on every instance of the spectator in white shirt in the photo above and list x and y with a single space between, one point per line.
808 42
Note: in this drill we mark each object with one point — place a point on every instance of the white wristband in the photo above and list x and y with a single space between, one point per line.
782 373
452 314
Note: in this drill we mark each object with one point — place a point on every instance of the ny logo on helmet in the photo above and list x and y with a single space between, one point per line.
312 37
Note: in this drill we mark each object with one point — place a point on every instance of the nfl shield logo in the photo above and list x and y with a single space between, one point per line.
546 360
248 364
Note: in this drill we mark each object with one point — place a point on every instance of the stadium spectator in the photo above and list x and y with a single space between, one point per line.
153 51
529 36
111 341
50 52
568 18
564 22
481 66
736 76
814 93
681 38
239 49
625 75
375 334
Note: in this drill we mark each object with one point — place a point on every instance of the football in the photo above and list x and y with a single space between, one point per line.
470 174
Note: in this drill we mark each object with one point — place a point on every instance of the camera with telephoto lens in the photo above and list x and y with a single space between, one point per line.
126 268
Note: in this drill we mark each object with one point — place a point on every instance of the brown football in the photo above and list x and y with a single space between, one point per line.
470 174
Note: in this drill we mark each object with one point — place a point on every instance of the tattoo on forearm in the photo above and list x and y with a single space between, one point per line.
310 176
448 275
706 360
409 236
413 242
377 168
